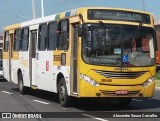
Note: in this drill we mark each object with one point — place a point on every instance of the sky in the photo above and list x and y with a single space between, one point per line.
15 11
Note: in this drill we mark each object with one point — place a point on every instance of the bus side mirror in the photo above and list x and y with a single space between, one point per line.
80 30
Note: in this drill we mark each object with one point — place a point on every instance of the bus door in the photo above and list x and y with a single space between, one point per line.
11 38
32 57
74 55
6 56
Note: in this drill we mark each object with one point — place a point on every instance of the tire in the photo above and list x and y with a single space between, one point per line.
22 88
124 101
62 92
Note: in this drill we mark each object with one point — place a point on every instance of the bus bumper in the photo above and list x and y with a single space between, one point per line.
111 91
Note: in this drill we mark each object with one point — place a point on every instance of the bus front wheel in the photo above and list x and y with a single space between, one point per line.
124 101
20 84
62 91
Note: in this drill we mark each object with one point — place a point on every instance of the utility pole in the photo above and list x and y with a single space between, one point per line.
42 8
33 9
144 7
2 29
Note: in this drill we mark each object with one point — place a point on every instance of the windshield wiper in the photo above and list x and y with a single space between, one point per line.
137 34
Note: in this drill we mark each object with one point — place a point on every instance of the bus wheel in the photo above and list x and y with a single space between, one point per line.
20 83
62 91
124 101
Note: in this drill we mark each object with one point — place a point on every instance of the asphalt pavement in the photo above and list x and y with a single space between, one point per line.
47 104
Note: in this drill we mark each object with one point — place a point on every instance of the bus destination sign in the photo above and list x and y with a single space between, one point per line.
118 15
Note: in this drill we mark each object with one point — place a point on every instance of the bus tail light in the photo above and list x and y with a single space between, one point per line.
89 80
146 83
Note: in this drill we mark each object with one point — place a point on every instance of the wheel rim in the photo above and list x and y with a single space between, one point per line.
62 93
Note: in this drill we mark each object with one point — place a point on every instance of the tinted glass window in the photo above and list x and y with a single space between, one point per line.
118 45
6 41
17 40
63 37
25 39
0 64
52 36
42 37
1 44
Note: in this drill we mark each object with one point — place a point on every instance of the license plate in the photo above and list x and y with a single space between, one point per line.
121 92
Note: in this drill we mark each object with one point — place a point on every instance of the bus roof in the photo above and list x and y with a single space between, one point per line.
64 15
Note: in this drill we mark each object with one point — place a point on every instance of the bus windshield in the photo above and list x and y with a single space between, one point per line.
118 45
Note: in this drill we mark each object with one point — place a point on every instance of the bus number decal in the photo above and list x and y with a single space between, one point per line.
56 57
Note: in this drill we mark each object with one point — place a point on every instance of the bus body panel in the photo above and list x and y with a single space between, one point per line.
43 72
110 90
60 69
5 65
24 62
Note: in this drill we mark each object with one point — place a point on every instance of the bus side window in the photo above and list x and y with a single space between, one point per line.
42 38
17 39
63 35
52 36
25 39
6 41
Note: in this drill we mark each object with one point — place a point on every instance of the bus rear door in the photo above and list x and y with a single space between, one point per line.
33 55
11 38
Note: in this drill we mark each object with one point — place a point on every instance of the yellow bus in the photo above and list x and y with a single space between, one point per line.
89 52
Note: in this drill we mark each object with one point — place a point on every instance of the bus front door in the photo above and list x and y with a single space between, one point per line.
74 55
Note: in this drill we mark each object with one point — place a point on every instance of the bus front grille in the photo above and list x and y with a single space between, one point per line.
113 93
120 75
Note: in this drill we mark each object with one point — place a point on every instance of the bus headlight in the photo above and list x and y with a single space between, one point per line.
89 80
150 80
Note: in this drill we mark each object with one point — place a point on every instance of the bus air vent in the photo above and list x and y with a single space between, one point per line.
120 75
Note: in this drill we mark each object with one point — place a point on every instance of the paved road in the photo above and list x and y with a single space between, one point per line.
88 110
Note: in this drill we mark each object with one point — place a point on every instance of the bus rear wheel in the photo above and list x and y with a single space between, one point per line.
63 95
22 88
124 101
